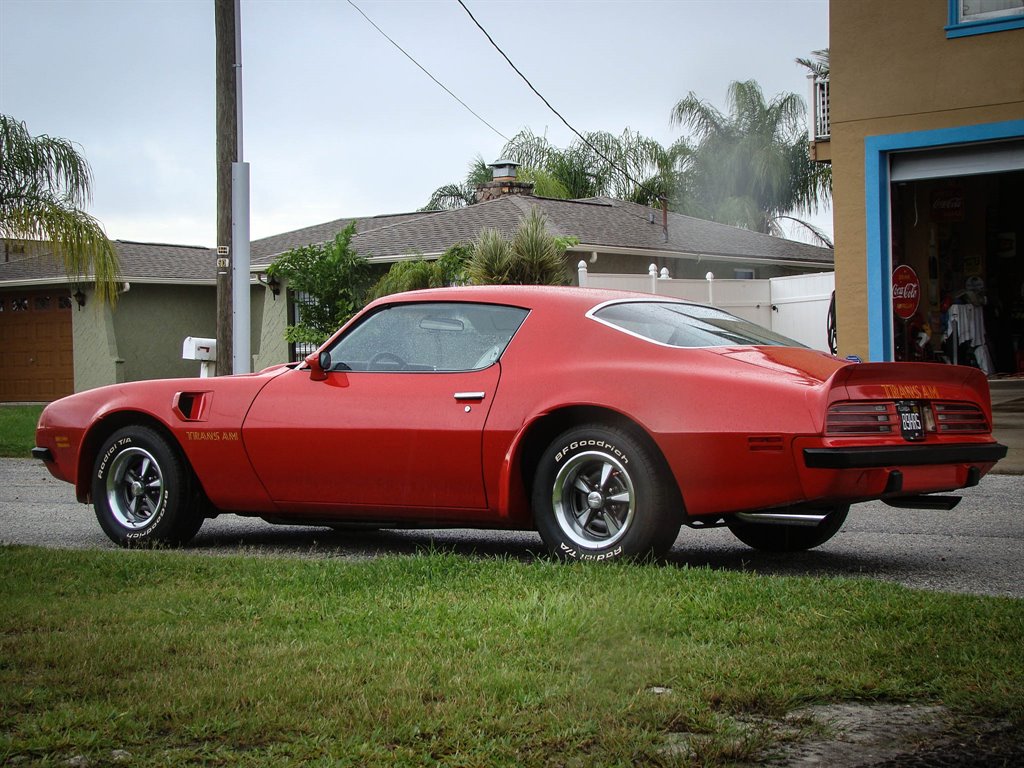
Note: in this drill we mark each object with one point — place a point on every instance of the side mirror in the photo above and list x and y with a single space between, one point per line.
319 364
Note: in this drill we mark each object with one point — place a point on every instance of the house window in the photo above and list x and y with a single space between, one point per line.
978 17
743 274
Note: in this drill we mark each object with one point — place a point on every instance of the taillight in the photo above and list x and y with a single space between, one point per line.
959 418
879 417
864 418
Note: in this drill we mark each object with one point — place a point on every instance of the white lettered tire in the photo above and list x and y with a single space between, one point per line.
143 491
599 493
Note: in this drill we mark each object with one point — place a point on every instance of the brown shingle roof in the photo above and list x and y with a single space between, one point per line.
597 222
264 250
153 262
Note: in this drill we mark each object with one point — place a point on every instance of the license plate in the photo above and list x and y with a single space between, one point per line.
911 425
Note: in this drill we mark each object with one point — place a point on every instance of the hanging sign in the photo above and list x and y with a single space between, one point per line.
906 292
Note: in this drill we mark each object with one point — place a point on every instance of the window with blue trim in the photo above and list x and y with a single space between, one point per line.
979 17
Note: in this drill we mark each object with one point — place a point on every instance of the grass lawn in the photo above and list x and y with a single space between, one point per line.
18 429
182 659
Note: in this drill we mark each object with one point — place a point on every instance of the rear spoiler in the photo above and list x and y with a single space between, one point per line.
910 381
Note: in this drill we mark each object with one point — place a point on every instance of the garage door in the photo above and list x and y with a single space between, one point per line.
36 358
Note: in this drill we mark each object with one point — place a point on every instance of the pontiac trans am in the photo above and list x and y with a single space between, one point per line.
603 420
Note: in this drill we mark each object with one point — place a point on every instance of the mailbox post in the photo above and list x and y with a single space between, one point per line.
204 350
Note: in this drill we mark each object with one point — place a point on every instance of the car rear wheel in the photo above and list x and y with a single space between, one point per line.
143 490
774 536
600 494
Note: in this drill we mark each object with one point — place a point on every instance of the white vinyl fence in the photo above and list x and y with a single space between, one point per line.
795 306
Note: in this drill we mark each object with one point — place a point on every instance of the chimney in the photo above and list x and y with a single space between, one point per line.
503 182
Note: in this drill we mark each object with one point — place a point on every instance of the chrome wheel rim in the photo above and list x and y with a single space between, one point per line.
593 499
135 487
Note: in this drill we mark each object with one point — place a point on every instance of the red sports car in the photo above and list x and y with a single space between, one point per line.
604 420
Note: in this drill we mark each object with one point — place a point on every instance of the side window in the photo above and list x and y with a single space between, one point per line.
435 336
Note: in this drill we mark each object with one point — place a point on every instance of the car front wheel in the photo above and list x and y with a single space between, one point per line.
143 491
599 494
774 536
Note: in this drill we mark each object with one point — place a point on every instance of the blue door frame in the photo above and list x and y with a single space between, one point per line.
877 206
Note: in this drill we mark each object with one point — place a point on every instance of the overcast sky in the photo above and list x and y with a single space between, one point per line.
337 122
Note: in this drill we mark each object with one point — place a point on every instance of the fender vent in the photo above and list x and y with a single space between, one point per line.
765 442
191 406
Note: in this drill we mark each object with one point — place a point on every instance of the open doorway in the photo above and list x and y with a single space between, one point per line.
963 238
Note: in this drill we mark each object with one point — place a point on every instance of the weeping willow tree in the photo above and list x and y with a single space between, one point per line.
44 184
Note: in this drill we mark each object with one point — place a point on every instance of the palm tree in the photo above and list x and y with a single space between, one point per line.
450 196
751 166
819 65
532 257
44 182
629 167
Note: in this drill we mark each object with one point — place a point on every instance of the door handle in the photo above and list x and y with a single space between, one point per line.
469 395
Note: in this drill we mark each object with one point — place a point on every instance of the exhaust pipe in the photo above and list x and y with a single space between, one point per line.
780 518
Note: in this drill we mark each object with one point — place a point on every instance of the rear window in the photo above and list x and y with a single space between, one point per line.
686 325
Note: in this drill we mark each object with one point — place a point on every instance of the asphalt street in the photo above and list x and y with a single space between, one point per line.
977 548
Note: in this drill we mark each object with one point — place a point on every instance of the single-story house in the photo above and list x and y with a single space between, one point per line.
57 339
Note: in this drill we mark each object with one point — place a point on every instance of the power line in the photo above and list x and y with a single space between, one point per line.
424 70
547 103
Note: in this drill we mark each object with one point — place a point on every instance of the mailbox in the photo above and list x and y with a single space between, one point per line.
204 350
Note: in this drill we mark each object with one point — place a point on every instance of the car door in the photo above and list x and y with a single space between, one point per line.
397 420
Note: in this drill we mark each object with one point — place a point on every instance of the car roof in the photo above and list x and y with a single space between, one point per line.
527 296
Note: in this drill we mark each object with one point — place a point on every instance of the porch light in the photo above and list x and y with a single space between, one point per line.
271 282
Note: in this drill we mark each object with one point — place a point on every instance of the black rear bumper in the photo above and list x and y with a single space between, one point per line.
900 455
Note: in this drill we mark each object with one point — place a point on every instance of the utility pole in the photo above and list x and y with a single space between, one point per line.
227 153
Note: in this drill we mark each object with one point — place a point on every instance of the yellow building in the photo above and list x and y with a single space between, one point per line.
922 118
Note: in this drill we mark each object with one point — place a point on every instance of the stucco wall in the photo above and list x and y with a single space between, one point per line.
142 337
97 360
894 71
268 344
150 323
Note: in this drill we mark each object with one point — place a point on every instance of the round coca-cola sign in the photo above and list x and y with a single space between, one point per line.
906 292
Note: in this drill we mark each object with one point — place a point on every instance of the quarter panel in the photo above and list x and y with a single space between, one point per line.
725 424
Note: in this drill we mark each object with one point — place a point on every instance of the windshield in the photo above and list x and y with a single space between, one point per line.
686 325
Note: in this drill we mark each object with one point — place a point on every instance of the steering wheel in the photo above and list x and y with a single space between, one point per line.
387 357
